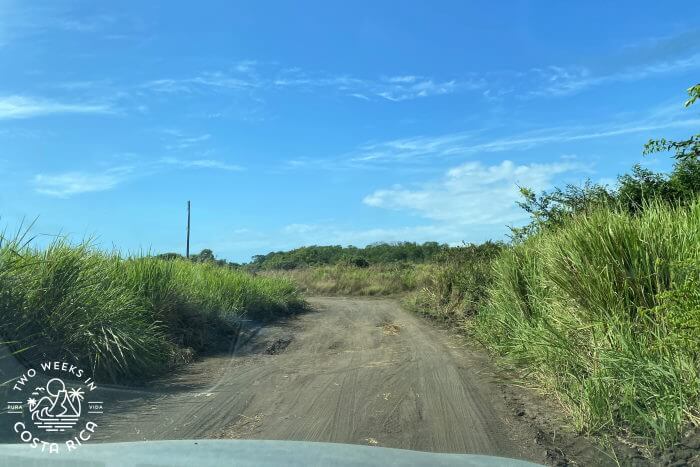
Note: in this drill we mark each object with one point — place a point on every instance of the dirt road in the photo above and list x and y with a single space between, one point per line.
353 371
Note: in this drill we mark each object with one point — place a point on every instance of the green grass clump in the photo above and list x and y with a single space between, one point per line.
125 318
603 311
456 286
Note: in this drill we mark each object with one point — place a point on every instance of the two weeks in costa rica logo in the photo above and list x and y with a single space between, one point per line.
54 406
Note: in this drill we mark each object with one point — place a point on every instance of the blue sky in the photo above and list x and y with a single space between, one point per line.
293 123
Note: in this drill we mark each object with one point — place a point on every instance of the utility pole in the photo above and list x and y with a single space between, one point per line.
187 251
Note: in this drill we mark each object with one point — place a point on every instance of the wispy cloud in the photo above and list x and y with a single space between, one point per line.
402 79
252 84
207 80
16 107
64 185
461 195
84 25
629 64
392 88
177 140
425 148
67 184
562 81
201 164
251 75
676 53
22 19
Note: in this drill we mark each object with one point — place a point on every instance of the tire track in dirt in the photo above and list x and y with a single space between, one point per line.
354 370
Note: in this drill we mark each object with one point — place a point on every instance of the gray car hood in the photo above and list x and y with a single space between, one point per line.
206 453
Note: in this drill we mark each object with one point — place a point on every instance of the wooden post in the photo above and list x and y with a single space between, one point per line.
187 251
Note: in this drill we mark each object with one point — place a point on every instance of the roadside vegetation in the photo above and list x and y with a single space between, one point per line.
344 279
603 311
124 318
597 298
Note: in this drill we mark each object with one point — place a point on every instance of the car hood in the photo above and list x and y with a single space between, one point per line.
242 453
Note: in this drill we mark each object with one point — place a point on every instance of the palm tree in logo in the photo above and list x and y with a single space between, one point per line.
58 402
75 396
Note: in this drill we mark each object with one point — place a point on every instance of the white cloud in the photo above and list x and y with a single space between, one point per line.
360 96
473 193
249 75
201 164
16 107
410 149
398 91
66 184
254 77
242 77
85 25
180 141
562 81
246 66
402 79
22 19
423 148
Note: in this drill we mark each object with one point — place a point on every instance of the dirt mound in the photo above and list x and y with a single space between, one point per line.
391 329
278 346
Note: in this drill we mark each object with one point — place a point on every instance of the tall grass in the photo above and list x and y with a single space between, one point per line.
344 279
456 287
601 312
125 318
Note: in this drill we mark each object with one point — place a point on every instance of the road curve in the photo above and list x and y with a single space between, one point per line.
354 370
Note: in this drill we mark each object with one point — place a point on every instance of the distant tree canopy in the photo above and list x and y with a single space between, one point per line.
204 256
376 253
634 190
170 256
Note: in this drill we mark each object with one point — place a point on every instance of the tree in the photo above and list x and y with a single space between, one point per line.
640 186
686 149
552 209
204 256
170 256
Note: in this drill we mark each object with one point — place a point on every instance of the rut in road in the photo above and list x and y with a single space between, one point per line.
354 370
